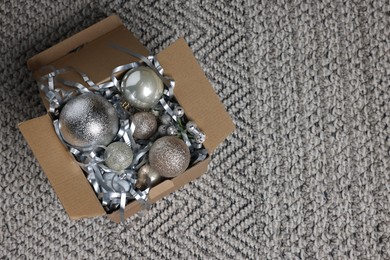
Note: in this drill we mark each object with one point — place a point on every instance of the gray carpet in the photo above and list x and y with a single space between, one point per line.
305 175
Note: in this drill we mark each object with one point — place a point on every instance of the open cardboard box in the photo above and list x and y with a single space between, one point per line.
89 51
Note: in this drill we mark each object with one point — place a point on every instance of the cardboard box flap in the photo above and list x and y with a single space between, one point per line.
71 44
195 93
63 172
95 58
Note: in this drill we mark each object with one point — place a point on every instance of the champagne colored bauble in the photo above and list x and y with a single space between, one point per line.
147 176
145 125
142 87
88 120
169 156
118 156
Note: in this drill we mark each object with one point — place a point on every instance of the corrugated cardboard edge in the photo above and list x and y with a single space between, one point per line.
61 169
61 49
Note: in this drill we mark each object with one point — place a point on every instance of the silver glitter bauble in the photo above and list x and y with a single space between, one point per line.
88 120
147 176
118 156
169 156
142 88
145 125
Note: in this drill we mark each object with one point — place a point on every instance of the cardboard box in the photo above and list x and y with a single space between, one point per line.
89 52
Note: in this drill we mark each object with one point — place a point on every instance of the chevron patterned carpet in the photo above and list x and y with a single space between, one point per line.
305 175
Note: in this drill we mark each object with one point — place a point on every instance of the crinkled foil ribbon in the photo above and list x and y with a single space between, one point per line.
88 157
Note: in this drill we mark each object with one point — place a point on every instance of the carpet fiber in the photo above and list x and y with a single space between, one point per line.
304 176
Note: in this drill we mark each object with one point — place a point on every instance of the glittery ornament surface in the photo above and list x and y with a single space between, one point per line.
88 120
142 88
169 156
145 125
118 156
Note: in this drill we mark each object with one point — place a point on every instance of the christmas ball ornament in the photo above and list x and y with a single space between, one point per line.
118 156
145 125
142 88
171 130
178 111
88 120
147 176
169 156
191 127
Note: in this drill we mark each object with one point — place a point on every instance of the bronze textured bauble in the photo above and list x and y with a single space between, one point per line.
145 125
169 156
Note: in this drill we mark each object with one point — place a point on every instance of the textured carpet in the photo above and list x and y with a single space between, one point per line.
304 176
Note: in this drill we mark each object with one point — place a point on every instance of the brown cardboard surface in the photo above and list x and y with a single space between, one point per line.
64 174
97 59
61 49
195 93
